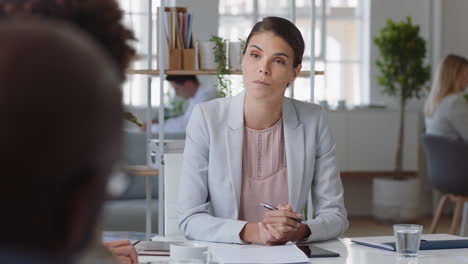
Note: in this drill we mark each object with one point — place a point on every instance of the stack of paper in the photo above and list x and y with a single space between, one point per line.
238 254
152 248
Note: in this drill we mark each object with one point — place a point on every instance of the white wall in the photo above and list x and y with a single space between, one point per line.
205 24
366 140
205 17
397 10
454 27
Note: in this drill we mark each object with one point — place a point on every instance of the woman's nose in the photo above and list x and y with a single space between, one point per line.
264 68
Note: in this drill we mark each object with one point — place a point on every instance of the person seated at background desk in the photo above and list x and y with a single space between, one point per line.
102 20
57 80
446 108
189 88
261 147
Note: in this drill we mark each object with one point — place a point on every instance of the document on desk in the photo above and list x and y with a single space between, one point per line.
240 254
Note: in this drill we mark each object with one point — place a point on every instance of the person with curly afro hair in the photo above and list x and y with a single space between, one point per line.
102 21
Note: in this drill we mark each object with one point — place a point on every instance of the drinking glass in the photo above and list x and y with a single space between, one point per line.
407 239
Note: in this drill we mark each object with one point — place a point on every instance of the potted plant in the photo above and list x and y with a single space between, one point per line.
403 74
219 51
130 117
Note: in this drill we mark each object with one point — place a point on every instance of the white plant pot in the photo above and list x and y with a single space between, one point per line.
235 54
207 58
395 200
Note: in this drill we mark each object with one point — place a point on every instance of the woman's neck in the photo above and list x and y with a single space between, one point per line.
262 114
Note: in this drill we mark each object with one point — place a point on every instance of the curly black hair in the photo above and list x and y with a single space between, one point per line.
102 19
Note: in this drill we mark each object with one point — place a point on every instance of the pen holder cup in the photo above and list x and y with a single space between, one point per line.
174 60
189 59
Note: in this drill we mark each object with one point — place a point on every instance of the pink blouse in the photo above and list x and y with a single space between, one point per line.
264 171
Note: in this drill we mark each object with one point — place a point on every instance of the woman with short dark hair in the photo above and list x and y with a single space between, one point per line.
261 147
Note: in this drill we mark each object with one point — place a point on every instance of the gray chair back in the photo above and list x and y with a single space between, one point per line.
447 162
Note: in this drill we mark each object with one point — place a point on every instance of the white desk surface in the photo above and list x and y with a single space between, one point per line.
351 253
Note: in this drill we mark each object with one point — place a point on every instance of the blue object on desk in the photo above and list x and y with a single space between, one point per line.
425 244
438 244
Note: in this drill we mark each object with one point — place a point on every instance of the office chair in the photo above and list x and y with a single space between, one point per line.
448 173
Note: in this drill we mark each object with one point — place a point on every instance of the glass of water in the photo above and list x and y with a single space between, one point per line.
407 239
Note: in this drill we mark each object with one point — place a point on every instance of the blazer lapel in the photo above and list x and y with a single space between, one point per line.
234 141
295 152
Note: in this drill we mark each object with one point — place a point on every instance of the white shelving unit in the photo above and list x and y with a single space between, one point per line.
155 161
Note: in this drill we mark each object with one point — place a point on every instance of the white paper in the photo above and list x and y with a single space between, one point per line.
237 254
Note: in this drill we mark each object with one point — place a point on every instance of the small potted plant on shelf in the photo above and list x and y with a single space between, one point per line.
403 74
219 51
130 117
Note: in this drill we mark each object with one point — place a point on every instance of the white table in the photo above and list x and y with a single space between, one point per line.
355 254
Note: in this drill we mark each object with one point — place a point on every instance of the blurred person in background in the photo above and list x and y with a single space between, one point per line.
190 89
446 107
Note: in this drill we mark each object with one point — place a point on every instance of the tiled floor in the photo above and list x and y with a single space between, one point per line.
367 226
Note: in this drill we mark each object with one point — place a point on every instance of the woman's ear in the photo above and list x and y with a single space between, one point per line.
295 73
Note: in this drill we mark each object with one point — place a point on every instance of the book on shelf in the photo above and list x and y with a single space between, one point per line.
180 52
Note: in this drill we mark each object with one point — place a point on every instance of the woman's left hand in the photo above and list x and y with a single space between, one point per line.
284 229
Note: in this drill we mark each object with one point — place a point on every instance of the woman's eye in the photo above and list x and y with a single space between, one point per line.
254 55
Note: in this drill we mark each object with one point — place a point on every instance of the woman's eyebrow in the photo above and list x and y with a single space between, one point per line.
281 54
276 54
257 47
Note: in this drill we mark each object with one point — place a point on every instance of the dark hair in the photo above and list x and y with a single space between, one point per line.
101 19
180 79
284 29
89 110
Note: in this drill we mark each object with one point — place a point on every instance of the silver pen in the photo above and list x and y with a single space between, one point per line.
270 207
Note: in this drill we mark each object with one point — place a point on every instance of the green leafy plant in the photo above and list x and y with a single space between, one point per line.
403 73
175 107
466 97
219 50
243 43
133 119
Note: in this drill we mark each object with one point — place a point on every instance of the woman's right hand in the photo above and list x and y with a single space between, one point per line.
257 233
276 229
281 226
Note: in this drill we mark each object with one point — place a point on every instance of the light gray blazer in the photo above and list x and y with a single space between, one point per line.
210 183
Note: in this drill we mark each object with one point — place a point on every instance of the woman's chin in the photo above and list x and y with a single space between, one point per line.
260 95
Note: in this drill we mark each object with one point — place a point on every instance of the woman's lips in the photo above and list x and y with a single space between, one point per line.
261 82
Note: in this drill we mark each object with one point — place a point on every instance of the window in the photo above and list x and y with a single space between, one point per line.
340 43
136 18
